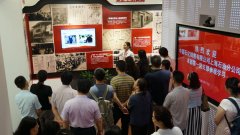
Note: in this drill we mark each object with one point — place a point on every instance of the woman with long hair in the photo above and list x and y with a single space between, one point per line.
27 126
131 68
140 106
162 118
226 108
194 123
143 63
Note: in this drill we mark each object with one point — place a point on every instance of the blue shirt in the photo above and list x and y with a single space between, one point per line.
158 84
27 103
140 107
195 98
99 89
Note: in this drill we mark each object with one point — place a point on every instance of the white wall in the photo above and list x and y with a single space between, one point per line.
5 124
13 51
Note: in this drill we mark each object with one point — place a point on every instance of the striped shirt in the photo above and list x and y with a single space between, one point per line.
122 84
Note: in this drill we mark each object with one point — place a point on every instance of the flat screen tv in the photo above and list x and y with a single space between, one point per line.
72 38
214 55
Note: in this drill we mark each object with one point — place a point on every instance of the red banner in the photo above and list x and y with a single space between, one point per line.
142 40
99 59
215 57
116 20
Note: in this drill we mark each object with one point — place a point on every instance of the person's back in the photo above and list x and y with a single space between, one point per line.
62 94
177 101
158 81
99 89
27 102
227 109
103 94
122 84
82 113
143 63
43 92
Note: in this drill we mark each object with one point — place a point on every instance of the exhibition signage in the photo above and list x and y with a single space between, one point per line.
134 2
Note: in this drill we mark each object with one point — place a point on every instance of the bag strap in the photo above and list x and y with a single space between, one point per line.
237 107
105 93
94 96
235 104
227 121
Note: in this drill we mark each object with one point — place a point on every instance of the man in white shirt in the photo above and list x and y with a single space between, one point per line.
62 95
27 102
177 101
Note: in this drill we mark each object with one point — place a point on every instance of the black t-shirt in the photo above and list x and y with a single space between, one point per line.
43 92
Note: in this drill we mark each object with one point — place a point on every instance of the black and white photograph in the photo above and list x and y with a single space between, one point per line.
142 19
41 32
59 15
70 62
40 49
43 14
207 20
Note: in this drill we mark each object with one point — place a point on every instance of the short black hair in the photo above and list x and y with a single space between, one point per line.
142 54
178 76
20 82
163 51
99 74
66 78
121 65
163 114
156 61
26 124
166 64
84 85
42 75
233 84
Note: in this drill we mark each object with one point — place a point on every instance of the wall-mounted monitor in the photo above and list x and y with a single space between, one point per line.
71 38
77 38
214 55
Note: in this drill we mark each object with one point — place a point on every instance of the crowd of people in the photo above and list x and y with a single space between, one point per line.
151 100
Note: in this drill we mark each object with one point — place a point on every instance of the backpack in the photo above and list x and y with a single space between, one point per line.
234 126
105 107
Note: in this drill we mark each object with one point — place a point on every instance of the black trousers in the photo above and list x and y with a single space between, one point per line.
117 114
83 131
139 130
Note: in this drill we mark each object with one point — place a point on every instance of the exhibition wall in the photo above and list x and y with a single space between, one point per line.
15 57
85 36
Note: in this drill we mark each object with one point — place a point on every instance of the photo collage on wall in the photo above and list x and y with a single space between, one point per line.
85 36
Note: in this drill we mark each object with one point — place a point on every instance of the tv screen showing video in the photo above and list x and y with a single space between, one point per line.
72 38
214 55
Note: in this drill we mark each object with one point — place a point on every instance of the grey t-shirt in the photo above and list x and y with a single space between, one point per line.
177 103
98 90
